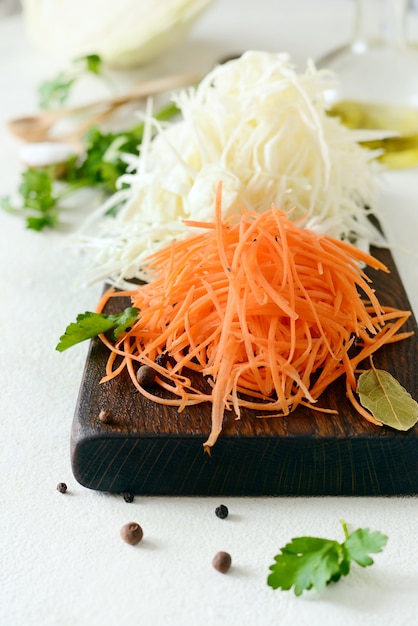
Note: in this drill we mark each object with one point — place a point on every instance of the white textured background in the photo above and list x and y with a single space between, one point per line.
62 562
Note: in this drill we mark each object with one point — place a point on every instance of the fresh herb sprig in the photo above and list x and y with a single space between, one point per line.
103 162
41 192
313 562
38 197
89 325
54 93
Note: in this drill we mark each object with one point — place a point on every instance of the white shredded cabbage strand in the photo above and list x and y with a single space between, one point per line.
260 128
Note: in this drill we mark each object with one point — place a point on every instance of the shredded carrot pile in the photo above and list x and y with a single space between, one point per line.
268 311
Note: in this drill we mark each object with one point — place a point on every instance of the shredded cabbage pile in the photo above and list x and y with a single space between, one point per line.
260 128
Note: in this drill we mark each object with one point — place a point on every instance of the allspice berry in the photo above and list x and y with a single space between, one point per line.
145 375
131 533
222 562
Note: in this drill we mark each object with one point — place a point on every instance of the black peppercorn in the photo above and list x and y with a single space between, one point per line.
222 562
161 359
221 511
145 375
131 533
62 487
128 497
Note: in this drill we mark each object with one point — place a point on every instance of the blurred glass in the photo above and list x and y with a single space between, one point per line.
378 79
9 7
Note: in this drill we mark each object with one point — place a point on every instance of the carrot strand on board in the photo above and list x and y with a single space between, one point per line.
265 310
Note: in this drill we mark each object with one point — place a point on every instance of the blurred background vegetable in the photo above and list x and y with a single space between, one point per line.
126 33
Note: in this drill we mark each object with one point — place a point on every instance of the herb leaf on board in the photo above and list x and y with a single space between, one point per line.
89 325
386 399
312 563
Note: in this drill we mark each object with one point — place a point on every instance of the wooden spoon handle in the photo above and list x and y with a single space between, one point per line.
142 89
33 128
74 137
151 87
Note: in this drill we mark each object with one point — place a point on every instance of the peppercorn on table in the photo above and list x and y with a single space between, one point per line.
78 556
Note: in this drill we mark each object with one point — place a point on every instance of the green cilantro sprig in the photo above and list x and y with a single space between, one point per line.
38 198
89 325
312 562
102 163
55 92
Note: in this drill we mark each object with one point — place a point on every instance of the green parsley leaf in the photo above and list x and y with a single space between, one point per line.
6 204
312 562
102 163
361 542
36 189
92 63
38 201
55 92
101 166
306 562
89 325
48 220
124 320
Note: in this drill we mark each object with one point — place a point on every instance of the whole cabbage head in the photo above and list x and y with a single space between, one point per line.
125 33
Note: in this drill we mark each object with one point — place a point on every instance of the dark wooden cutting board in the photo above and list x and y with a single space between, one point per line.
147 448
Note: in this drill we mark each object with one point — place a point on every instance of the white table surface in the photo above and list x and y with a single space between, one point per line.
62 562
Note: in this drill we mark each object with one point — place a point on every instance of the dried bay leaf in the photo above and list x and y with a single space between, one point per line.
386 399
